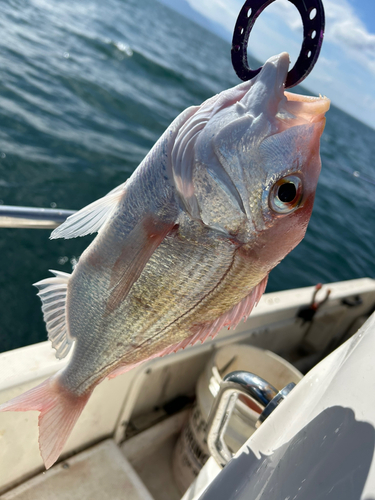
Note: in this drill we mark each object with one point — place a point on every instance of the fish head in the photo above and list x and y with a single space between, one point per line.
255 163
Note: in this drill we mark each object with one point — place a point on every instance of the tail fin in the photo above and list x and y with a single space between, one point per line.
59 411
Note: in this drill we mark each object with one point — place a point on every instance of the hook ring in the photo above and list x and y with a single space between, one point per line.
313 20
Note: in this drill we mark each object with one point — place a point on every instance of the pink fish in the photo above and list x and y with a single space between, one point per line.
185 246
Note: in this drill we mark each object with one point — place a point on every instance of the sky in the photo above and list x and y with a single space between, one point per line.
345 71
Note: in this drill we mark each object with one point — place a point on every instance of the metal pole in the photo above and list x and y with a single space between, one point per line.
32 218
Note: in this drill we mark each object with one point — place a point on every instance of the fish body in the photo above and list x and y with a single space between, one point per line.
185 246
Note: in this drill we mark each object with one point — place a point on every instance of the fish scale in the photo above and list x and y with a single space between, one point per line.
165 290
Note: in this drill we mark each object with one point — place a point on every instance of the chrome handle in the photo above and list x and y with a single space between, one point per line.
258 390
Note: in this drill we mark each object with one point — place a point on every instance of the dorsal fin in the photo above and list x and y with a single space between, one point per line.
91 218
52 292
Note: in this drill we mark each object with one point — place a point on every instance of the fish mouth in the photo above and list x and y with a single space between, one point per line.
305 109
294 109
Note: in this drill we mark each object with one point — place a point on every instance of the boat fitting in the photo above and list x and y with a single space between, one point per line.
255 388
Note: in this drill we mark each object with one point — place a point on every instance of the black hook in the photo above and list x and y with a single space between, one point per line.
312 14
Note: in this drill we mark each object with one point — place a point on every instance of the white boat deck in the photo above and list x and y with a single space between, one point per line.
107 470
139 467
96 474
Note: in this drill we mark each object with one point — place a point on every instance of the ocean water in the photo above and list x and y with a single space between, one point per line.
86 88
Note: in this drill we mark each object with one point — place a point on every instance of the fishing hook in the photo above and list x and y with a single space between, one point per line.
312 14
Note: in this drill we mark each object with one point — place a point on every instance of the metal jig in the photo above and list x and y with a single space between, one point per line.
312 14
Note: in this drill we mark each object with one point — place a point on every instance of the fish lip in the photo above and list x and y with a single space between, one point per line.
278 64
282 63
312 108
323 100
263 94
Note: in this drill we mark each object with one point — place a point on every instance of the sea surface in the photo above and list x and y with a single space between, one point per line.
86 88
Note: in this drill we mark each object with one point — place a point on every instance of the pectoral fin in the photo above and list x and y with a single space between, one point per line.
140 244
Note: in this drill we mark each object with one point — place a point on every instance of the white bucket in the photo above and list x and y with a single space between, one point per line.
191 450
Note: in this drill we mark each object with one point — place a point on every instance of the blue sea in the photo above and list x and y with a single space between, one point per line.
86 88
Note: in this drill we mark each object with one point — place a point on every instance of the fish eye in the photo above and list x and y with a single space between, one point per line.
286 194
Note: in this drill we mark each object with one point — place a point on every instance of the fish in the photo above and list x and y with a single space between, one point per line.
184 247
